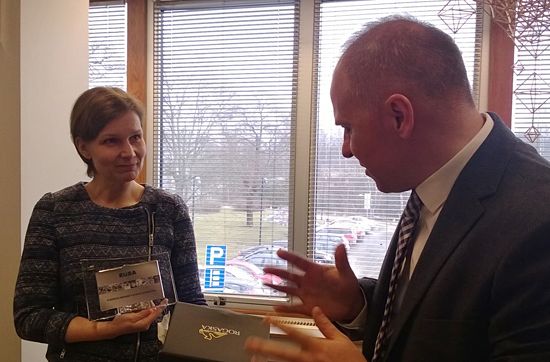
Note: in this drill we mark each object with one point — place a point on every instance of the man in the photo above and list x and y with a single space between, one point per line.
471 284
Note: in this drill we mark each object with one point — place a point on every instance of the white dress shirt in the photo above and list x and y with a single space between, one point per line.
433 192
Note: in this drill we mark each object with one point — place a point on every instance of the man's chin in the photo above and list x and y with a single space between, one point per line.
389 188
369 175
380 185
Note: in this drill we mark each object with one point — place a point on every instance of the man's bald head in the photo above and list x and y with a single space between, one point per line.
403 55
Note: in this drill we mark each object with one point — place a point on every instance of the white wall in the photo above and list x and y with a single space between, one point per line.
54 71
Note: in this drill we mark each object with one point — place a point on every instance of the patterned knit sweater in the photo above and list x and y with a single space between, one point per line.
66 227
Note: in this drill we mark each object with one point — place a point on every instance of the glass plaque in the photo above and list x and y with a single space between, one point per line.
123 285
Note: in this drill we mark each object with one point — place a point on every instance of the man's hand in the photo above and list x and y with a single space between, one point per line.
336 347
334 289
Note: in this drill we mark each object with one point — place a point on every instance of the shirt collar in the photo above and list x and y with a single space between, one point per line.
436 188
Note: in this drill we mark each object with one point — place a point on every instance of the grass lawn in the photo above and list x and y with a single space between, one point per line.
228 227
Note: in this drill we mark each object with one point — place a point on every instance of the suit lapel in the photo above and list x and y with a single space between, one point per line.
463 207
445 237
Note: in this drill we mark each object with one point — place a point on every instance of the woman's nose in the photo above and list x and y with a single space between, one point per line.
128 150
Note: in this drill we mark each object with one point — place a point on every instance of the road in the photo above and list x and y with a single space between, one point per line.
366 256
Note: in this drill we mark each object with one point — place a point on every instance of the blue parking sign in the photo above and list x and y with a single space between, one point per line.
214 279
215 255
214 272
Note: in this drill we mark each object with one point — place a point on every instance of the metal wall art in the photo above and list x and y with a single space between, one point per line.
527 23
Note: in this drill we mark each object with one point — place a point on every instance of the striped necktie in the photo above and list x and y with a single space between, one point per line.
407 227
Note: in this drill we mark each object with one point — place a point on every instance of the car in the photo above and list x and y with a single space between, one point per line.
348 232
255 271
237 281
281 244
323 257
356 226
370 225
328 241
262 256
267 256
250 250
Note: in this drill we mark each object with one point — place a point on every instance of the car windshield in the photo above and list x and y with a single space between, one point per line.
240 273
248 266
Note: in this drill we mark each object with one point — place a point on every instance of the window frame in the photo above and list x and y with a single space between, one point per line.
137 61
495 87
136 55
500 48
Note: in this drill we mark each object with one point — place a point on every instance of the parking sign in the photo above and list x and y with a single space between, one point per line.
215 255
214 279
214 273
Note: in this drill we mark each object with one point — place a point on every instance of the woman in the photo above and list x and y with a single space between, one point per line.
112 216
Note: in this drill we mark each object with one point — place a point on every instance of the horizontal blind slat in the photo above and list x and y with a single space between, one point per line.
342 198
107 45
225 77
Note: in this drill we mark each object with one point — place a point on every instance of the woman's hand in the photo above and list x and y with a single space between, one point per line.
81 329
130 322
336 347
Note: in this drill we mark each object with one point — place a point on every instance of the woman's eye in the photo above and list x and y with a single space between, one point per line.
136 138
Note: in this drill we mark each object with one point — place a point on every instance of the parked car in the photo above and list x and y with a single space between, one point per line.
370 225
328 242
237 281
267 256
348 232
251 249
262 256
255 271
323 257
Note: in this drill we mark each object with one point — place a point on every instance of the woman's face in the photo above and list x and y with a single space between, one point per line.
118 151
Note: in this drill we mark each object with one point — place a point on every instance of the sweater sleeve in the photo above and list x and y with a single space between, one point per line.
37 291
184 257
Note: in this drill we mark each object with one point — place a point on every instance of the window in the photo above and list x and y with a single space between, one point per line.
107 44
531 99
344 201
226 90
224 105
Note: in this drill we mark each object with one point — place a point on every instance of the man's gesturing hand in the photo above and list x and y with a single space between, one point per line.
334 289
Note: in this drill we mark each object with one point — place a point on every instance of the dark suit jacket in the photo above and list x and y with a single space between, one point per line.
481 288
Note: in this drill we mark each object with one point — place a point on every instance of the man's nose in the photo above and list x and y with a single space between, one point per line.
346 149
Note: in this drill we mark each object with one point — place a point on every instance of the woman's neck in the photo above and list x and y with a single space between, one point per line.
114 196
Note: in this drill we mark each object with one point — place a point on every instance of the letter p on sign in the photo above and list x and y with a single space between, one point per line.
215 255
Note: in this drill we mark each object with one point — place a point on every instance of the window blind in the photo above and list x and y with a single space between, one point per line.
531 100
107 44
342 199
225 77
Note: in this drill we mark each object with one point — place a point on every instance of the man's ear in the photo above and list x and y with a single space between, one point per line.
401 111
82 148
